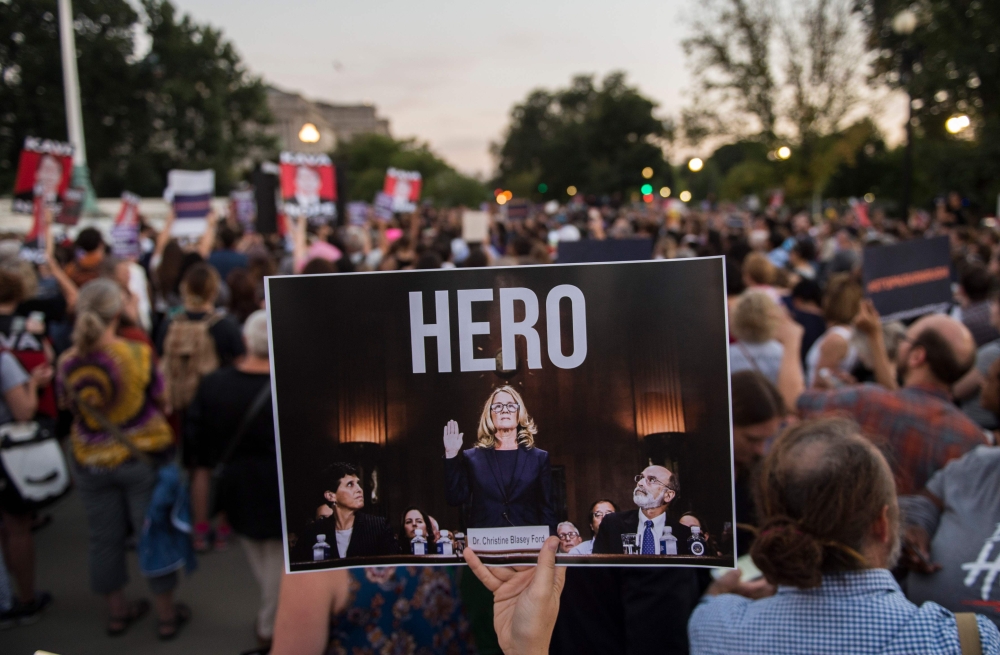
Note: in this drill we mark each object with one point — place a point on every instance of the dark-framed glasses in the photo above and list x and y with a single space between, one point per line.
499 407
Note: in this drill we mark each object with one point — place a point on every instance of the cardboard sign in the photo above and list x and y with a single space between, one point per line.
72 206
125 232
909 279
308 187
46 168
475 226
404 189
605 250
243 209
583 373
190 192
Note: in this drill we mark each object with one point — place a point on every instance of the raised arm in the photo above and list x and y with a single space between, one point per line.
208 236
869 323
67 287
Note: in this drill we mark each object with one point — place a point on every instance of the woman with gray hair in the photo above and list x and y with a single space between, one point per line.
230 422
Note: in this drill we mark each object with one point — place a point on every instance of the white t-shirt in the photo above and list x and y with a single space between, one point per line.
343 541
583 548
658 524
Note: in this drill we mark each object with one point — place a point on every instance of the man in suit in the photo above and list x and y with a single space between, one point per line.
655 487
349 532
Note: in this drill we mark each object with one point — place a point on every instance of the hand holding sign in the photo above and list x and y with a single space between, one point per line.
452 439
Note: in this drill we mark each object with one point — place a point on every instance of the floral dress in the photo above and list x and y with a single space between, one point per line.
402 611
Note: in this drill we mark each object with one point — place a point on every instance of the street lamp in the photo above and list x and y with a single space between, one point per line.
784 152
571 190
308 133
904 24
647 172
696 164
957 123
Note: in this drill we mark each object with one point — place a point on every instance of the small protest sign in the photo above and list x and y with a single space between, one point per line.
604 250
72 206
125 231
308 187
243 209
404 189
190 192
382 206
45 168
358 212
521 394
475 226
33 248
909 279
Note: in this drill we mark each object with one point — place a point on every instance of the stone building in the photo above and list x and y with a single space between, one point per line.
334 123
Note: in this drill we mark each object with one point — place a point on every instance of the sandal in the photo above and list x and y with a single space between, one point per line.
135 610
182 614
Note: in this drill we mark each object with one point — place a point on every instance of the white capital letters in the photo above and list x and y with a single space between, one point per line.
420 331
467 329
509 328
578 308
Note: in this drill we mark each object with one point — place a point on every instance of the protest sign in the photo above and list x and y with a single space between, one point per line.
404 189
382 206
357 212
35 240
475 226
190 192
72 206
308 187
594 370
909 279
605 250
125 231
243 209
45 167
265 191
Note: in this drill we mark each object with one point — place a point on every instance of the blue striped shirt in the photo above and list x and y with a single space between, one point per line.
862 612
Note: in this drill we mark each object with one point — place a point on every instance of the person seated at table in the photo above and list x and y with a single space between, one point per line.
414 519
655 488
354 534
598 511
569 536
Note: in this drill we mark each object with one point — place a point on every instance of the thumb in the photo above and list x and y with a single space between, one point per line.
545 572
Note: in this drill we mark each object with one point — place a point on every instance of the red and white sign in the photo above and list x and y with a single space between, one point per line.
308 186
45 168
404 189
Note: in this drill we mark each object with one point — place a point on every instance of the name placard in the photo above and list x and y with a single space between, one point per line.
509 539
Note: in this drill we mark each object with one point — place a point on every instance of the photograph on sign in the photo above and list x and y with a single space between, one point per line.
418 413
403 187
308 187
45 168
909 279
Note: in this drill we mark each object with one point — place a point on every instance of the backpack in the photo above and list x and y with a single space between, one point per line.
188 355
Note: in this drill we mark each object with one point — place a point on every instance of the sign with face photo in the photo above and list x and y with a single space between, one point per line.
404 189
308 187
419 413
45 168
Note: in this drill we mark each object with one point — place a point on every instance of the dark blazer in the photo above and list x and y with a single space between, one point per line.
614 525
371 536
474 475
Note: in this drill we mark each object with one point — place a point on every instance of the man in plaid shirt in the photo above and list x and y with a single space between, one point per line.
918 427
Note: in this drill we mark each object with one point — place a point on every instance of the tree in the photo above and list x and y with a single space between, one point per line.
366 157
598 139
189 102
780 73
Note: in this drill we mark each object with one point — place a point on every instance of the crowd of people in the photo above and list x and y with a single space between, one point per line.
155 369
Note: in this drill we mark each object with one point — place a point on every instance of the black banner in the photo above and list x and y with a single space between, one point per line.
909 279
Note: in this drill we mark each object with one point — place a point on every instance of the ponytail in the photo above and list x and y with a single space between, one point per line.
97 306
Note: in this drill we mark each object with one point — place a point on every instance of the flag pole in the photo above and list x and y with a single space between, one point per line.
74 114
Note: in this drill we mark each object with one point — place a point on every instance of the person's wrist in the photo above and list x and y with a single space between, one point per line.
450 454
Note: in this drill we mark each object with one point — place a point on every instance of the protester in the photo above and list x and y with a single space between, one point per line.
226 259
831 358
119 438
89 253
754 327
230 423
975 290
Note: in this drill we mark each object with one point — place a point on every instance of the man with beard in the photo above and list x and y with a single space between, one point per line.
918 424
758 411
655 487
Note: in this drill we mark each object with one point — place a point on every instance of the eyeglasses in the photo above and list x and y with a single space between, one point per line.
650 480
499 407
567 536
599 514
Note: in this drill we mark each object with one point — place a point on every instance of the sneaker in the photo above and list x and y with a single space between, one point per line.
222 536
28 613
201 538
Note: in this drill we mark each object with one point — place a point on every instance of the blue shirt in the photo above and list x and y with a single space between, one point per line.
862 612
225 261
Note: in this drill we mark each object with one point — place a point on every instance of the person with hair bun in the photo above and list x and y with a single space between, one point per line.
829 535
108 381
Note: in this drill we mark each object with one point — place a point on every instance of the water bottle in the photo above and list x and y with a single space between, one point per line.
418 545
321 549
459 542
444 544
668 543
696 542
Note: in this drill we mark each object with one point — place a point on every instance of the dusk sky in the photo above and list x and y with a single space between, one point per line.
449 72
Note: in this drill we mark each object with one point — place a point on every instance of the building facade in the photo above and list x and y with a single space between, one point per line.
334 123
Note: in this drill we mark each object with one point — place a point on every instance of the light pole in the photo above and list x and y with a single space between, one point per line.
74 114
904 24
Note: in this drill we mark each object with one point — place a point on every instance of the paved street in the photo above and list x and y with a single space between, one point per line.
222 594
